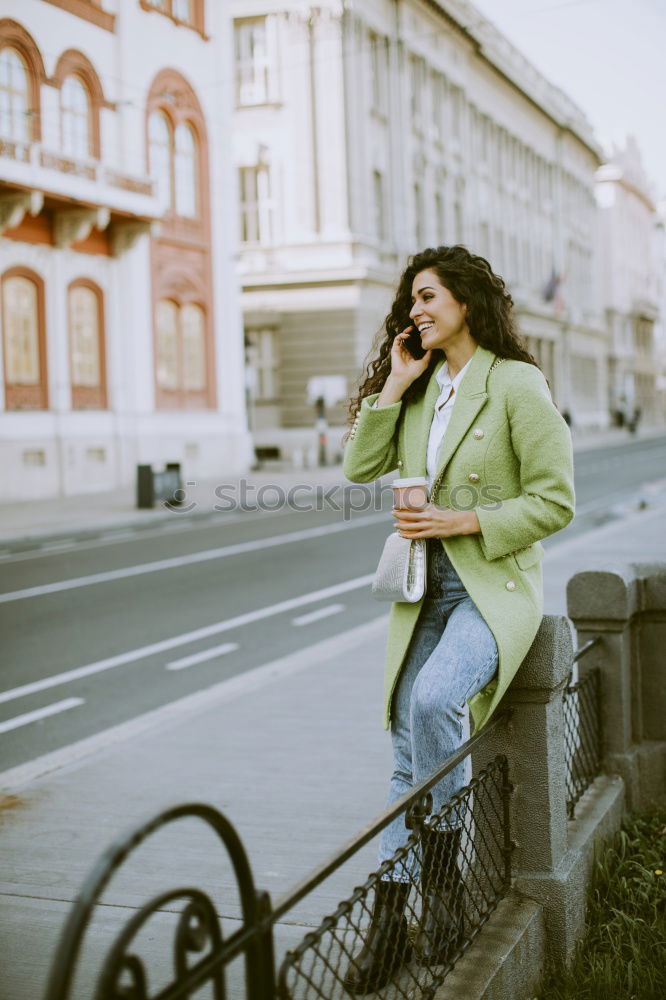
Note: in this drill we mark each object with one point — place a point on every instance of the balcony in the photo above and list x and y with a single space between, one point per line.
80 194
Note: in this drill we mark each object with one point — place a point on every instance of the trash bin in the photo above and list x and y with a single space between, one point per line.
165 486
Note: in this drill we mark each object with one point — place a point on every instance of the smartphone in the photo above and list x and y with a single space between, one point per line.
413 344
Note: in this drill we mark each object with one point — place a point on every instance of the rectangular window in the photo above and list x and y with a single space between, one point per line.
262 358
456 111
484 239
378 72
255 77
418 216
379 207
436 105
416 80
458 220
440 220
256 206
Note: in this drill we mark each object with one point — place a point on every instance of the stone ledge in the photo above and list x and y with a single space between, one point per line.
563 893
506 962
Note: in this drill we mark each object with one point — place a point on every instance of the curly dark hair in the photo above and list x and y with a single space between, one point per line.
472 282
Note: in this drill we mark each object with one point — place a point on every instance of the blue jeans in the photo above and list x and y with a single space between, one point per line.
452 656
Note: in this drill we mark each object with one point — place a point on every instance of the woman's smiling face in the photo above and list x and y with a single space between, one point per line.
438 317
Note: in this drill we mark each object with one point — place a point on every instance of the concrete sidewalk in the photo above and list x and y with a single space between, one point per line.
29 524
293 753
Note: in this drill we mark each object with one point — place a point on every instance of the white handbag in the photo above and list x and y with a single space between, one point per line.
402 571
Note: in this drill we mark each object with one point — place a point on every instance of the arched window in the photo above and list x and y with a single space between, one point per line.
181 347
14 96
75 112
23 337
167 367
159 155
185 171
193 334
86 344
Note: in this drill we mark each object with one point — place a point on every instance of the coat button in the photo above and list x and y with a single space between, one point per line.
473 477
400 463
510 585
478 434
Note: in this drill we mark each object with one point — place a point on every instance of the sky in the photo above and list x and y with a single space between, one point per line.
609 56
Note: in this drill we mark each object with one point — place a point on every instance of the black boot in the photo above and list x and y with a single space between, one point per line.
387 946
443 915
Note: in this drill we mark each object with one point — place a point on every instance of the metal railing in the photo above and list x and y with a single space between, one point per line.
582 730
453 870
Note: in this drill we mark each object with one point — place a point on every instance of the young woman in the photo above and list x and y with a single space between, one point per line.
472 410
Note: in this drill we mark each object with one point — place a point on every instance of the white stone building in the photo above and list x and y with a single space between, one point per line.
366 130
121 325
632 237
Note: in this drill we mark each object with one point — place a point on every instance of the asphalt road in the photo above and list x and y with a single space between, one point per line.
102 632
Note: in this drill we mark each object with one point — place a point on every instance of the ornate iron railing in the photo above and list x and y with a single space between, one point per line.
454 868
582 730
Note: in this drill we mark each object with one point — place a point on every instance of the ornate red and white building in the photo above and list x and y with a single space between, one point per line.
121 328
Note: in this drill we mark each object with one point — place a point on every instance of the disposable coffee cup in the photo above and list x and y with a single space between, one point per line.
410 494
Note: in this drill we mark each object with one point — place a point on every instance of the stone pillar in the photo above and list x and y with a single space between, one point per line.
626 607
533 742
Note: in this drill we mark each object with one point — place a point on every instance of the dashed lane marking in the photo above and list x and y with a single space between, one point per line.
187 637
40 713
315 616
206 654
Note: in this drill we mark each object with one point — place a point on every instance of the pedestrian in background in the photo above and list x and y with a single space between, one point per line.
452 389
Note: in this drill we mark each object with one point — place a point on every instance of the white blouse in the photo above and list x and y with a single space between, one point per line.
442 415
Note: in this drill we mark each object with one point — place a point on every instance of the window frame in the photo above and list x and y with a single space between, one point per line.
24 111
196 21
269 66
14 36
260 210
74 63
179 392
88 397
174 123
75 153
26 397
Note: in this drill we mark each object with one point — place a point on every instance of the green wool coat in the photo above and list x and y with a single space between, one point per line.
507 454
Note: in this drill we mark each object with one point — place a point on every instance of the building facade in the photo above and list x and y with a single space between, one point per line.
121 325
632 235
366 130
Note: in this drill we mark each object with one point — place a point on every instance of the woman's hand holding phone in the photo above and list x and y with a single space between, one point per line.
405 369
404 366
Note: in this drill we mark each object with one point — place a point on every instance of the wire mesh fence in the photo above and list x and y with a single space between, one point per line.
582 736
400 933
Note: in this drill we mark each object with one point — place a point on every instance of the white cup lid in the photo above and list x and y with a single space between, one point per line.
417 481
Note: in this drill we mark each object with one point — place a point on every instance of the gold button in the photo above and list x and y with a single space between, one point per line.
510 585
473 477
478 434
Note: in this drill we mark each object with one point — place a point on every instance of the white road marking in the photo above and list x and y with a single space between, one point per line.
207 654
311 657
315 616
40 713
61 543
182 640
193 557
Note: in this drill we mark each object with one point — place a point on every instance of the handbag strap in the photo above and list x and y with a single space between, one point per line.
438 482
